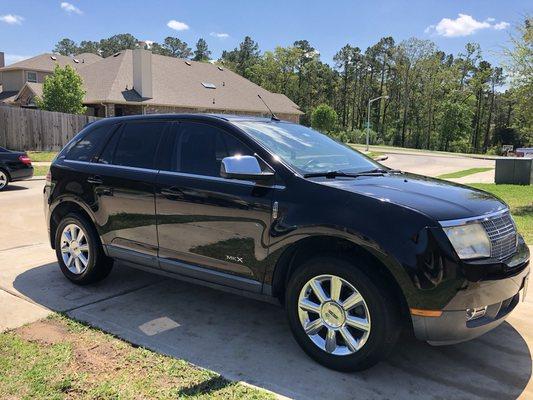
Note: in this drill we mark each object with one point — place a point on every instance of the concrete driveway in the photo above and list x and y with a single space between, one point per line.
242 339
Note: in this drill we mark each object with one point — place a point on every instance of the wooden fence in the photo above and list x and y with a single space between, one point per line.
25 129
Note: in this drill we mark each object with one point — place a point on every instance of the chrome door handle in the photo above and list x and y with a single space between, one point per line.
171 192
95 180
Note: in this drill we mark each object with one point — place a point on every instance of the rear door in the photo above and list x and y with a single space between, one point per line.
219 225
123 180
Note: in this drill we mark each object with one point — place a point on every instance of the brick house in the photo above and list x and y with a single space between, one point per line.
139 82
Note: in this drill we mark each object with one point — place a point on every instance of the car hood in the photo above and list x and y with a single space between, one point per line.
438 199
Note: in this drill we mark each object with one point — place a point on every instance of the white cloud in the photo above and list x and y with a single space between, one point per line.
14 58
220 35
501 25
463 25
11 19
177 25
70 8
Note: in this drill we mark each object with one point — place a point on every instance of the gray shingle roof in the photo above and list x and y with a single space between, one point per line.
45 62
177 84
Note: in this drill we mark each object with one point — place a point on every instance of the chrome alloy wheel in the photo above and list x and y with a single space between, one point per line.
3 180
334 315
75 249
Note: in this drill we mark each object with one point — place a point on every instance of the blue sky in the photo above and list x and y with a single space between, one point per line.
31 27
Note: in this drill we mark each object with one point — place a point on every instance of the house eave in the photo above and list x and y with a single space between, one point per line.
192 107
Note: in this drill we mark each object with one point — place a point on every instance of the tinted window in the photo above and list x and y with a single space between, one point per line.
89 145
2 150
138 144
106 157
200 149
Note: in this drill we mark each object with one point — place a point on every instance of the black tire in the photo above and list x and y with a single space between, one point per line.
4 172
98 265
383 310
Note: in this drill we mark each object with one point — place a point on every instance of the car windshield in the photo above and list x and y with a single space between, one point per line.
2 150
305 149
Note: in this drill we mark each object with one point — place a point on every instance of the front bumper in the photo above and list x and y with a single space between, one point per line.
501 293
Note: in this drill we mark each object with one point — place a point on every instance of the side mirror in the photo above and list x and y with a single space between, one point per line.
245 168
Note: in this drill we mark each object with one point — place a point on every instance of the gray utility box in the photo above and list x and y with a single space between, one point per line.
517 171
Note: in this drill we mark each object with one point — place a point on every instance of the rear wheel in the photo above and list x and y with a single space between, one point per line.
79 251
4 179
339 316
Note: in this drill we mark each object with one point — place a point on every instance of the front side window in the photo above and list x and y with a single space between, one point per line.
32 77
200 148
137 145
305 149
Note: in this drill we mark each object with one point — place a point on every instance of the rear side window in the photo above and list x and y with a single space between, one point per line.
137 145
88 147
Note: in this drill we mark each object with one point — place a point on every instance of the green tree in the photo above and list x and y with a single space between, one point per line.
243 58
63 92
172 47
66 47
116 43
324 118
202 52
88 46
177 48
345 62
454 122
520 64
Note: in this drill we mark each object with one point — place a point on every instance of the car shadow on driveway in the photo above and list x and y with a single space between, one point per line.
13 188
246 340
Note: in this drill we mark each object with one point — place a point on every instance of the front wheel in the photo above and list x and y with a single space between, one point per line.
339 316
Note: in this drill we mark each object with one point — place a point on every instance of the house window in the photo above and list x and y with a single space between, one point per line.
32 77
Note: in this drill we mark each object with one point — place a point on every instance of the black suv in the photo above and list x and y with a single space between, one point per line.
355 251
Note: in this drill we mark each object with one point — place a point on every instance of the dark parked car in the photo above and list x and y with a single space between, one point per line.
355 251
14 166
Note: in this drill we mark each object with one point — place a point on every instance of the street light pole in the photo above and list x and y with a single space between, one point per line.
368 119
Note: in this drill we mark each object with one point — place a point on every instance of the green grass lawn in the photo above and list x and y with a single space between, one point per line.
58 358
464 172
40 170
42 156
520 199
374 154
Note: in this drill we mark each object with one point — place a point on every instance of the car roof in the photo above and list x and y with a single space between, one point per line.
196 116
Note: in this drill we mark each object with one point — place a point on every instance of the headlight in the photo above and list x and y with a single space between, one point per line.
469 240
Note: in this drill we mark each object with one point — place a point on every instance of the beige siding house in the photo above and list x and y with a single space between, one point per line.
139 82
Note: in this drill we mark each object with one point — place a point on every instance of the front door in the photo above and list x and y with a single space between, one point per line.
219 225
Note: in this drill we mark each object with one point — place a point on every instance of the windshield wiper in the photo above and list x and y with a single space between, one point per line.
338 173
335 174
384 171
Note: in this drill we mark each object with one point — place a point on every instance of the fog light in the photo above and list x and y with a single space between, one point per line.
475 313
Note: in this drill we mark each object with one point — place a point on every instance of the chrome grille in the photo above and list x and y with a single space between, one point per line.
502 234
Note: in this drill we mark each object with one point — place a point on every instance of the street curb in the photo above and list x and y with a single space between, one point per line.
411 152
